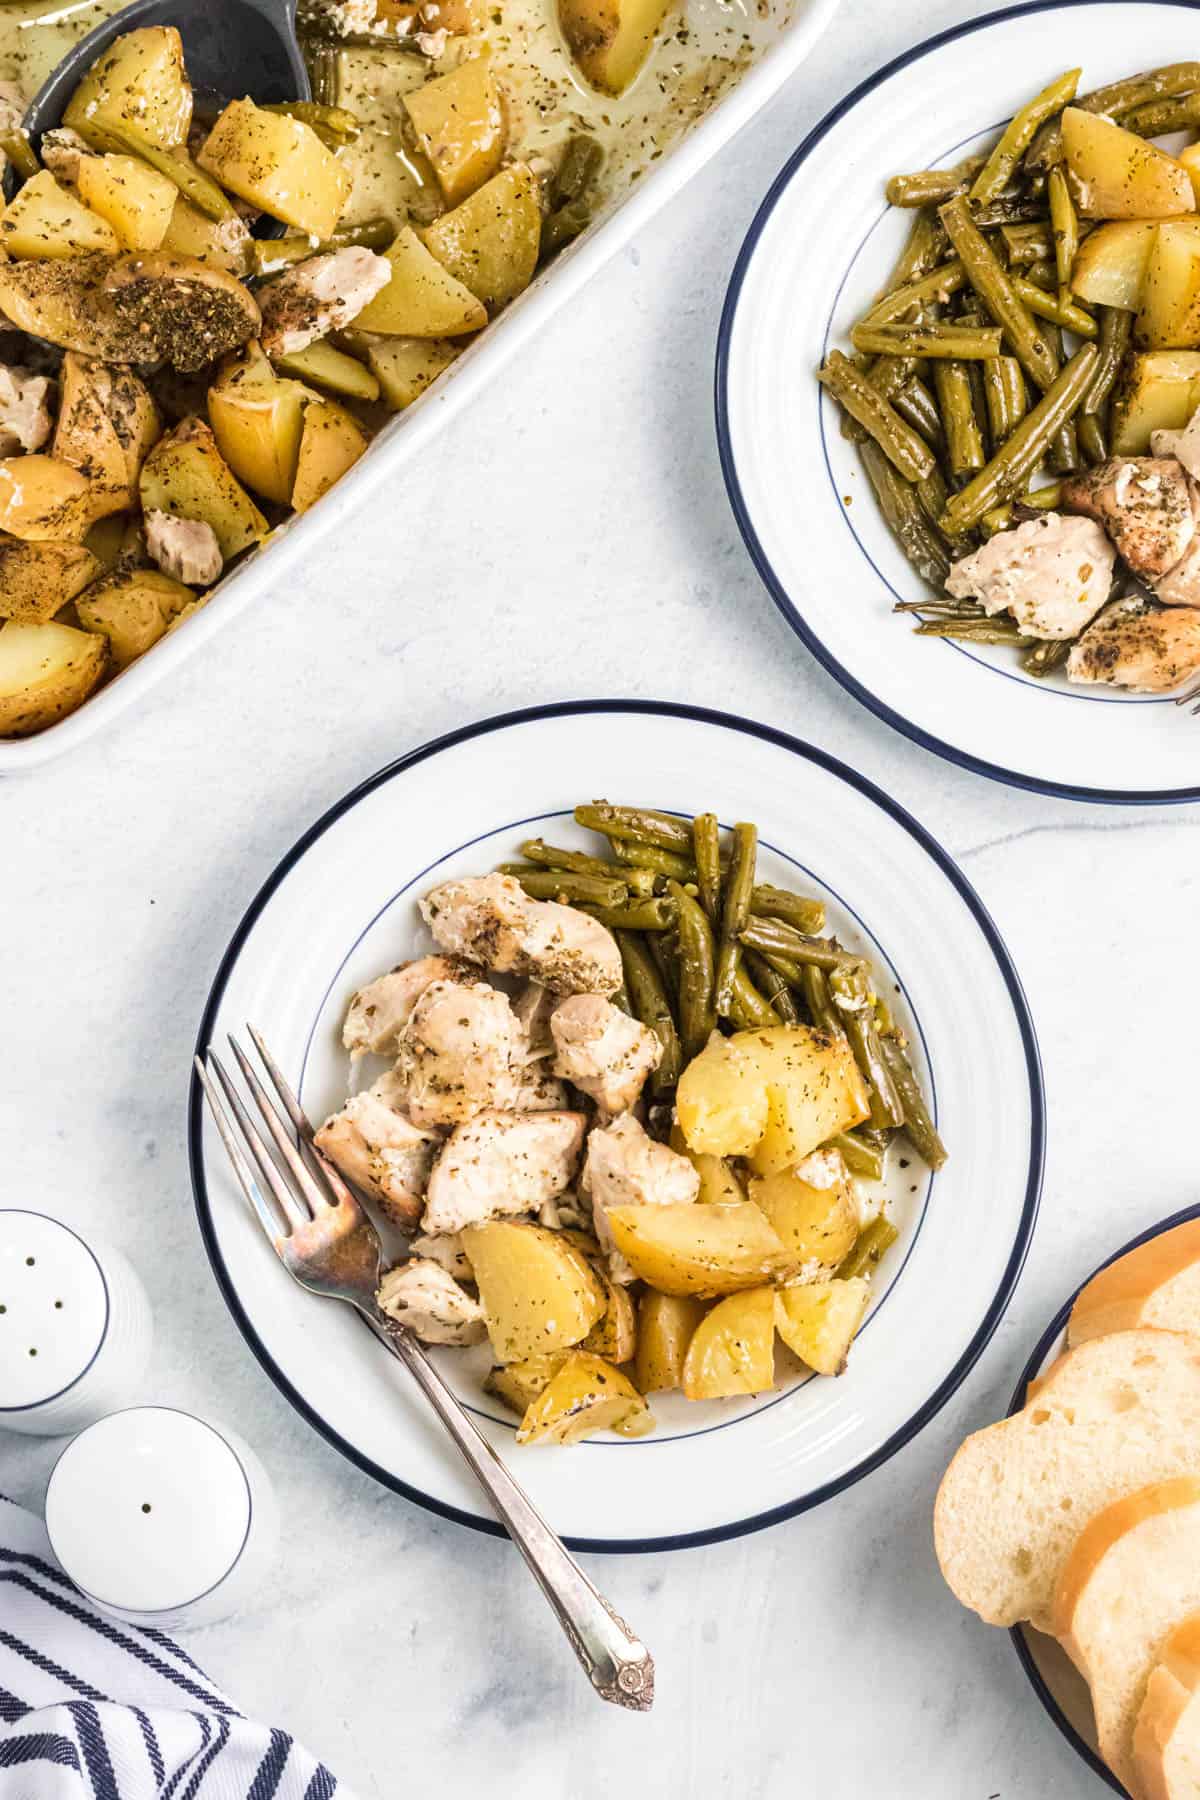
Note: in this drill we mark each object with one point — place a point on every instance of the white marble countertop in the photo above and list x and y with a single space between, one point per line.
570 536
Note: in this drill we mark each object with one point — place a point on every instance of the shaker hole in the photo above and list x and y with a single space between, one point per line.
33 1352
29 1261
145 1506
58 1306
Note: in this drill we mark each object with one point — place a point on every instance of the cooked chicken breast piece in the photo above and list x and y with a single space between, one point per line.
625 1167
424 1296
534 1089
379 1012
491 919
533 1006
185 548
318 296
501 1164
446 1250
1131 647
459 1052
25 421
62 150
1143 503
381 1151
1180 586
1053 574
1183 445
602 1050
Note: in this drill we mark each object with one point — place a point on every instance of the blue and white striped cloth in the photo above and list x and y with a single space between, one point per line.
95 1710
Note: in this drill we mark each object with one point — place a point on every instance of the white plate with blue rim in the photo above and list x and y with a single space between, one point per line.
342 906
819 249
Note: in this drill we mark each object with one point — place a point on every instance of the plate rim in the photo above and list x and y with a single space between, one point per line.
925 841
790 611
1033 1364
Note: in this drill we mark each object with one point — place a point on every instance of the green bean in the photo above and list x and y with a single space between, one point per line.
1019 134
563 885
1158 117
1016 460
1004 392
1043 499
960 341
1093 442
548 856
815 988
650 1004
873 1242
917 406
850 991
919 1127
861 1158
808 916
887 375
324 64
924 249
653 860
563 226
1026 243
1064 222
997 291
899 442
1116 325
1116 100
697 1014
1051 306
638 915
998 630
735 911
178 167
1010 209
1042 274
773 986
334 125
748 1009
938 285
901 509
1062 452
16 147
706 848
1046 656
960 424
933 496
929 186
637 824
664 953
779 938
270 254
577 169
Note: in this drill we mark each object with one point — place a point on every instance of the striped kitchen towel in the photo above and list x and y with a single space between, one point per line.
91 1709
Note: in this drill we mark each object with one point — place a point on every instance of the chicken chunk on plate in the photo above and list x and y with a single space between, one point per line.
381 1151
491 920
1129 646
379 1012
446 1250
501 1164
602 1050
625 1167
186 549
1144 504
25 420
322 294
459 1052
424 1296
1053 574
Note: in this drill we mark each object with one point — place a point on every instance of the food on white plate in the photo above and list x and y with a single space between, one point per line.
1039 336
637 1115
1156 1284
1166 1738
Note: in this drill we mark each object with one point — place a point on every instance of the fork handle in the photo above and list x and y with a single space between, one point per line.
618 1665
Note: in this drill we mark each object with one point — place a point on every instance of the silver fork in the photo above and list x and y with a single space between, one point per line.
327 1243
1192 694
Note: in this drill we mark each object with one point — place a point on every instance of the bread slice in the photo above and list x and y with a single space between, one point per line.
1131 1578
1156 1284
1111 1417
1166 1738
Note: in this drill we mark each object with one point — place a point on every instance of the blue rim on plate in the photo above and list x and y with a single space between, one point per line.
779 594
1033 1366
995 943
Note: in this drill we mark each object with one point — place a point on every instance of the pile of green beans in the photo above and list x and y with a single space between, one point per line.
707 946
960 389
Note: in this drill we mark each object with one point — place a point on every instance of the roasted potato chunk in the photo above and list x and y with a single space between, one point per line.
518 1385
490 241
458 120
46 671
1158 390
132 611
258 420
811 1208
1111 261
46 501
665 1324
218 243
611 39
131 197
585 1396
44 219
64 302
139 84
37 580
773 1094
818 1322
1118 175
733 1348
184 312
186 475
538 1293
279 164
422 300
328 368
697 1248
405 367
107 423
1169 303
719 1183
332 442
614 1335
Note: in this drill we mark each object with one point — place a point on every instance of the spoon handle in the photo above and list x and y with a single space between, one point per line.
618 1665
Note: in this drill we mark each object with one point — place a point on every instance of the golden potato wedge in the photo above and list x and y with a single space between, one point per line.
139 83
36 580
517 1385
811 1208
818 1322
611 39
258 420
538 1293
106 540
490 241
614 1335
134 199
1168 316
132 610
44 219
1119 175
586 1395
422 300
405 367
773 1094
186 475
1111 261
279 164
697 1248
733 1348
219 243
45 501
107 424
64 302
665 1323
332 442
328 368
719 1183
46 671
458 120
1157 390
721 1101
185 312
1189 158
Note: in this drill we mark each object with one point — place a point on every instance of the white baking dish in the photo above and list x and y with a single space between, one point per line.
406 435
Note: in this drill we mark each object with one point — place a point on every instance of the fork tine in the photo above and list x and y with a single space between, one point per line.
272 1224
301 1122
1193 693
297 1168
280 1191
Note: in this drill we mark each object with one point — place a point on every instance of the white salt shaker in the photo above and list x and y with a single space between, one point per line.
161 1518
75 1326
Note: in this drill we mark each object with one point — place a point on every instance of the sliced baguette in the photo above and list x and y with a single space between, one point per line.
1131 1578
1166 1738
1156 1284
1111 1417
